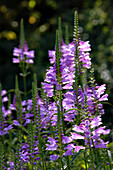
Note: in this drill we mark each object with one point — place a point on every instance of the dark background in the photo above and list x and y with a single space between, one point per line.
41 21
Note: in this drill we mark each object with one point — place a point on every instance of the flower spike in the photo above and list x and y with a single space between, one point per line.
75 34
22 36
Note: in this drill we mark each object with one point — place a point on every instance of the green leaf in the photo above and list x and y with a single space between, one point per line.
73 109
49 131
110 145
11 90
75 156
68 130
107 103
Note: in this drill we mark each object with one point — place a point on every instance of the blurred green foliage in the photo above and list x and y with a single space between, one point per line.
40 20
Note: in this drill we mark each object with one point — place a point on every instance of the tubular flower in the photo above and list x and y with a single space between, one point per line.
90 131
23 55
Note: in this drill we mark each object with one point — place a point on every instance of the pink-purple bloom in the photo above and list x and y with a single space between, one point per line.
52 145
23 55
88 132
68 116
53 157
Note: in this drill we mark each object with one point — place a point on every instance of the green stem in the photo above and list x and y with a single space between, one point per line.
24 71
40 142
85 161
63 127
57 54
1 156
66 35
91 156
59 136
95 154
62 114
25 90
1 113
68 163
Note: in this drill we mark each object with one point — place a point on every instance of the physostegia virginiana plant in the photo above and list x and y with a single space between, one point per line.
62 127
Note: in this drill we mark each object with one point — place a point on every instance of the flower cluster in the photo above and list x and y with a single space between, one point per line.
65 119
86 105
23 55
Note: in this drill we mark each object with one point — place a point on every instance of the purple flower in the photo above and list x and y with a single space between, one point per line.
86 132
6 112
108 163
102 144
23 55
69 103
29 54
70 146
66 139
1 133
96 122
85 59
76 136
48 88
77 129
27 122
101 90
68 152
84 46
5 99
58 87
11 164
104 98
16 123
51 56
28 115
53 157
3 92
8 128
12 107
52 145
24 156
100 131
77 148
